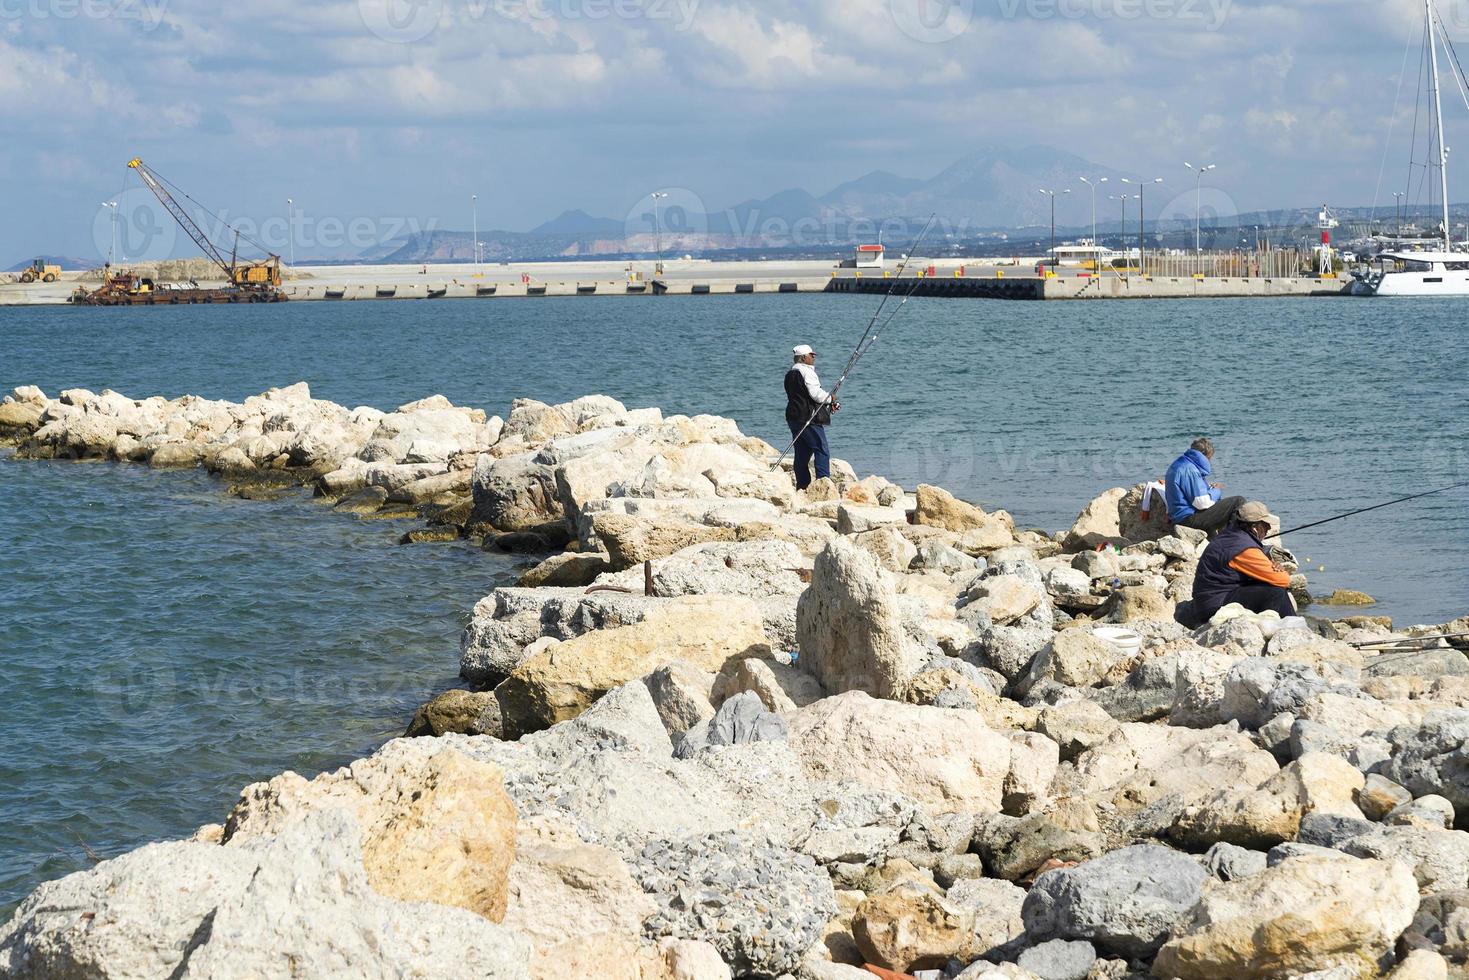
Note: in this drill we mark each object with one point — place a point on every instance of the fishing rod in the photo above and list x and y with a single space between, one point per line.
1364 510
1404 641
869 337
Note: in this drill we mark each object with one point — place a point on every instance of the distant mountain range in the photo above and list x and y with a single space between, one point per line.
989 200
988 192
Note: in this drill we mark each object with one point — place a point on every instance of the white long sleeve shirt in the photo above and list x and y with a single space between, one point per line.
813 384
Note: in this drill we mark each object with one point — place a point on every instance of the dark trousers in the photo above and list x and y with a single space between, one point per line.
811 445
1258 599
1216 518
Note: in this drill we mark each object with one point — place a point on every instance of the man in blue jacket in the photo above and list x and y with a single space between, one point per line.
1192 500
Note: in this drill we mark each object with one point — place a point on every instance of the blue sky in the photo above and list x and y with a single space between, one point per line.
374 115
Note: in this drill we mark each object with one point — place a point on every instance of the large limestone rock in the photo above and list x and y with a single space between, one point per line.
296 903
436 825
630 541
947 760
1125 902
565 679
1099 523
851 628
1271 814
1139 766
515 494
913 928
939 508
1130 516
565 893
1303 915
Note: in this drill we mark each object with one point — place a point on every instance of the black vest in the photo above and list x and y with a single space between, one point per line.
800 406
1215 580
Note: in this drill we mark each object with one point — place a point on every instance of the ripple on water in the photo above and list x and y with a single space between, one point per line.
165 646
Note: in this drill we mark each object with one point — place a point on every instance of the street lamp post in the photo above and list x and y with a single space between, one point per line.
474 209
1398 212
1199 202
112 254
1122 234
291 229
1142 221
1093 186
1052 196
658 229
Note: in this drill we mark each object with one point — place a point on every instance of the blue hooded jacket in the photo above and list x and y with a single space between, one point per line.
1188 480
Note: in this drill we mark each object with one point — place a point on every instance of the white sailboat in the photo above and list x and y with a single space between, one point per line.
1442 272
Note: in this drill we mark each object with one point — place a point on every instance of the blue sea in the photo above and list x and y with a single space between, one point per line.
164 644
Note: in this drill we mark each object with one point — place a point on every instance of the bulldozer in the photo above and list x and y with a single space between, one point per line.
40 271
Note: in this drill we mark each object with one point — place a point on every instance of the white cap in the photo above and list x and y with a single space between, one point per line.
803 350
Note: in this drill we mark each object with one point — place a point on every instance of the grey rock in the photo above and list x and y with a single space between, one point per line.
1059 959
1007 649
1429 664
1014 848
743 719
950 868
1293 849
866 846
1241 636
1257 689
1441 925
1076 726
935 557
1439 858
1229 862
1147 694
1433 757
1364 751
1431 812
515 494
1125 902
763 907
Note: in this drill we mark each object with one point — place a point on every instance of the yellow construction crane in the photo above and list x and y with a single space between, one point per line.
262 274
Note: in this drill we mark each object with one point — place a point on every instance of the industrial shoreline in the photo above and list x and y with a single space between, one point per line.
949 277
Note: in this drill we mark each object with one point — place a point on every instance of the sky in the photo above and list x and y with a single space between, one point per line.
376 117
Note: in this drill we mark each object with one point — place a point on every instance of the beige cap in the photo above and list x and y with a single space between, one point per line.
1253 512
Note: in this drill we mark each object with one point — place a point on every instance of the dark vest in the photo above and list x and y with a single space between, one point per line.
800 406
1215 580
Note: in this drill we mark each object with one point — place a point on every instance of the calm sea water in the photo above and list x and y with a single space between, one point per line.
164 644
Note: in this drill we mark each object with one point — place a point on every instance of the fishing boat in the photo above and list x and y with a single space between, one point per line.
1440 271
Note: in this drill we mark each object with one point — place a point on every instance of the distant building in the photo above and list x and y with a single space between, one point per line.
870 256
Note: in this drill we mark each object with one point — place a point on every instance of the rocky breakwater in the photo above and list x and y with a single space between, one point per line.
734 730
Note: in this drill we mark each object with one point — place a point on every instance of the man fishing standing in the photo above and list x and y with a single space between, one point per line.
809 408
1237 568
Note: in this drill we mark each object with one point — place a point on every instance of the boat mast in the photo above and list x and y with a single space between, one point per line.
1443 153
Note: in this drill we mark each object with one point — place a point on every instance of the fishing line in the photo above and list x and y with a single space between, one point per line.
1365 510
865 343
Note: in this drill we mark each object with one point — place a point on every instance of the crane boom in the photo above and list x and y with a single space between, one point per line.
186 222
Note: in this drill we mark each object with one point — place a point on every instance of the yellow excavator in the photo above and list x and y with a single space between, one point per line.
41 272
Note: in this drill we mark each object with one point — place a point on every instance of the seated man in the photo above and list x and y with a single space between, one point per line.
1192 500
1236 568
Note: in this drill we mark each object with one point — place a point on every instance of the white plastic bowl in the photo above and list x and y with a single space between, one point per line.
1127 643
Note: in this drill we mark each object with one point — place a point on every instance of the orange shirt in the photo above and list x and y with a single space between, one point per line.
1254 563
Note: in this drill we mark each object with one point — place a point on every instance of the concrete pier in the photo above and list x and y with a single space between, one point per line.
1090 287
974 279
